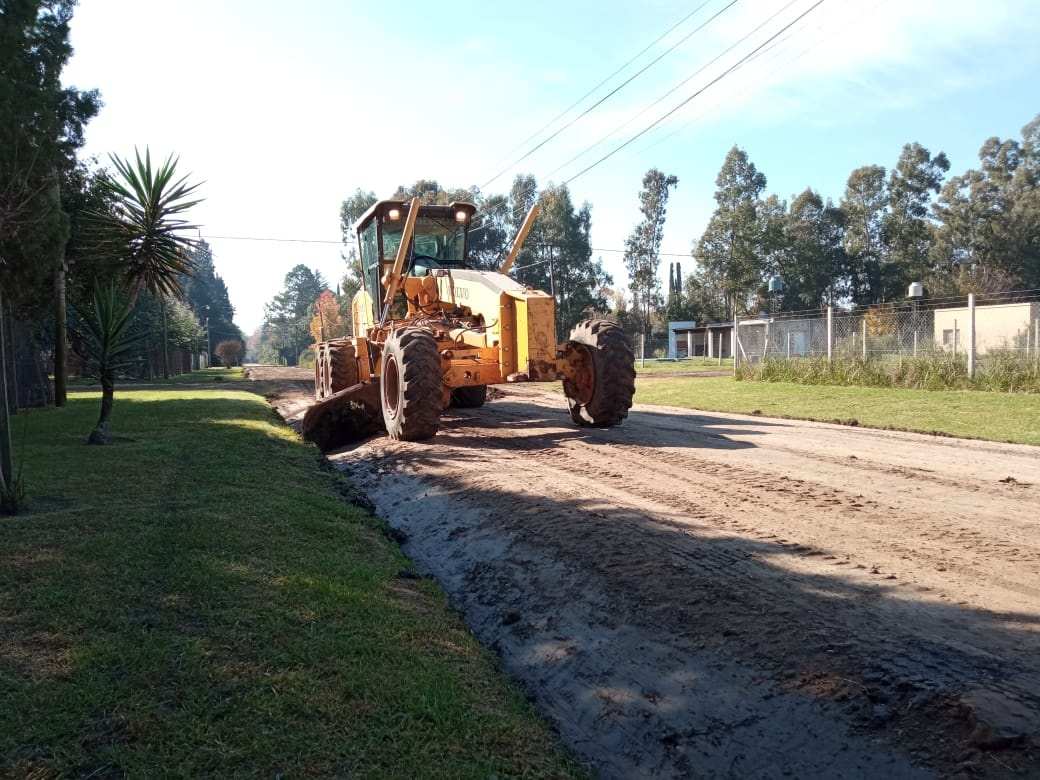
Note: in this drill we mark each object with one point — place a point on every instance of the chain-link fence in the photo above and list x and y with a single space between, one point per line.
981 329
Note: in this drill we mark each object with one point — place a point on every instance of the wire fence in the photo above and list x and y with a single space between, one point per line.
980 328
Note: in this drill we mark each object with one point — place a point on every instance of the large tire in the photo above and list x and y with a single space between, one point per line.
319 375
469 397
342 370
410 385
612 375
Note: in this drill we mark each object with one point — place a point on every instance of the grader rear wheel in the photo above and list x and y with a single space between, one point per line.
601 393
342 369
410 385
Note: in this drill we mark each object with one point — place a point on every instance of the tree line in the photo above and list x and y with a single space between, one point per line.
975 232
96 257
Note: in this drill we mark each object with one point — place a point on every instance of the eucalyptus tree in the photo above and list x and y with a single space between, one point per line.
728 250
643 246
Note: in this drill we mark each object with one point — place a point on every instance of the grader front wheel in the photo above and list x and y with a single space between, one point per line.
410 385
600 391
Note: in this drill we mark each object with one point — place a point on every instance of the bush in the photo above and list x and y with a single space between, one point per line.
229 352
1001 371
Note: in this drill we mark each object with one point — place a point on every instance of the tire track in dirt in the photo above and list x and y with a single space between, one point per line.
709 594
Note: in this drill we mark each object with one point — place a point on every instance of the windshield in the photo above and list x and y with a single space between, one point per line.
437 243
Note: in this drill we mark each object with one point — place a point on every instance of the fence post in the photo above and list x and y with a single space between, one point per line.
720 347
689 343
915 343
956 338
864 336
642 350
736 342
1036 337
830 333
788 345
971 335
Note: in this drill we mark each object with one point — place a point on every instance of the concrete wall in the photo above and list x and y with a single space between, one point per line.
996 327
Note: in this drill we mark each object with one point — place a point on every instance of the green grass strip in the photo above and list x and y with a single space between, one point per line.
195 600
1008 417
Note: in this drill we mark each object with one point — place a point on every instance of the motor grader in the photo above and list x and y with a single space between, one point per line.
431 333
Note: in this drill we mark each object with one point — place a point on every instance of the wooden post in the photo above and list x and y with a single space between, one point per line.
642 350
864 336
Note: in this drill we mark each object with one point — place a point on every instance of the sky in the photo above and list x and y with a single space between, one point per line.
283 109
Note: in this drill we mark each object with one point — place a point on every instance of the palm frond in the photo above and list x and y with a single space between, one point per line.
149 202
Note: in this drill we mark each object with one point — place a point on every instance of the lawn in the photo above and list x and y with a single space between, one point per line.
1013 417
684 366
199 377
197 599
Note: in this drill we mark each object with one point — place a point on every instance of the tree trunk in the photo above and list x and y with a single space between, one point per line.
60 337
9 362
6 456
108 388
165 343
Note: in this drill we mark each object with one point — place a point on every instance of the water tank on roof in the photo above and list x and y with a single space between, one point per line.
916 290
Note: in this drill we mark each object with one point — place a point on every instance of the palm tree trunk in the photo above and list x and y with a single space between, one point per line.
6 456
165 342
108 388
60 337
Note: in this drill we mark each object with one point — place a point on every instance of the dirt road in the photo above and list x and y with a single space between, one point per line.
724 595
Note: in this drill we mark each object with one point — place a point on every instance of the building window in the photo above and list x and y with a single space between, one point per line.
948 338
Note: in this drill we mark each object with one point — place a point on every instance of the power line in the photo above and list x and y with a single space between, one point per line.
740 63
613 92
671 91
577 102
700 91
323 241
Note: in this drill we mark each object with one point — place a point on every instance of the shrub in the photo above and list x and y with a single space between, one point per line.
229 352
1005 371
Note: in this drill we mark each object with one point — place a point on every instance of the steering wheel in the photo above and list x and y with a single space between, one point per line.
435 262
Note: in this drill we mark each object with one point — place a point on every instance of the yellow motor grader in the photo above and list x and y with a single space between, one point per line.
432 333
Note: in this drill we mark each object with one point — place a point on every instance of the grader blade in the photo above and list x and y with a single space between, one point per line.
344 417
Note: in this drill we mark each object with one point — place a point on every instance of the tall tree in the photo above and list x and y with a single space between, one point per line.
865 205
907 230
814 266
207 294
643 246
989 219
41 127
727 251
287 317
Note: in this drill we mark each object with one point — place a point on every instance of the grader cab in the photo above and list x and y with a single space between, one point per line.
430 333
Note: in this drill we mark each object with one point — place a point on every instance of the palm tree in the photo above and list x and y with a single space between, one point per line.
108 341
147 224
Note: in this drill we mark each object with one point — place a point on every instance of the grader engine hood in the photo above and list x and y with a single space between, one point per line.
518 320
